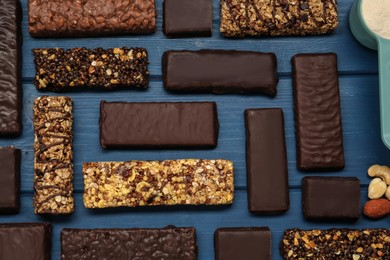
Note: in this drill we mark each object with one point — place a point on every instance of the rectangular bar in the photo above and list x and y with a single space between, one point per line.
136 243
53 167
188 18
249 18
220 71
73 18
152 183
10 68
331 198
21 241
158 125
9 180
266 160
59 70
317 112
252 243
335 244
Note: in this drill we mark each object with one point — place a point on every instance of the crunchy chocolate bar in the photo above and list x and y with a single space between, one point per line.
58 69
147 183
336 244
53 167
241 18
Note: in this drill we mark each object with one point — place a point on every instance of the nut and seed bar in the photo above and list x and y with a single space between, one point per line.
336 244
74 18
135 243
58 69
53 167
242 18
151 183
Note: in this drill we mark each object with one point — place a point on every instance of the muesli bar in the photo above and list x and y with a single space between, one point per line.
152 183
53 167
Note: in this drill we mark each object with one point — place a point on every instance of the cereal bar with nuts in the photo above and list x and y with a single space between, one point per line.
58 69
53 167
242 18
336 244
152 183
74 18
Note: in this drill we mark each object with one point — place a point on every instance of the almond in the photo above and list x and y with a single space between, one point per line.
377 208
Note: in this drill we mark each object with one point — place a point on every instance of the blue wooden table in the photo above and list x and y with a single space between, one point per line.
360 116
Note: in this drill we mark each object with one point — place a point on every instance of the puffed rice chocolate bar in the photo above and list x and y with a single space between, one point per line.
242 18
58 69
152 183
53 167
75 18
336 244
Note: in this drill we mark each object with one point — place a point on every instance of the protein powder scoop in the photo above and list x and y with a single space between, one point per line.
369 21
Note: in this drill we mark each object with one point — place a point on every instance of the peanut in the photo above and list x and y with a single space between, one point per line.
377 188
377 208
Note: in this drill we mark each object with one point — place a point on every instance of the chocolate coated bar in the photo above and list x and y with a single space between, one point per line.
336 244
317 112
138 243
9 180
250 243
21 241
266 161
53 166
10 68
152 183
158 125
188 18
220 71
73 18
241 18
58 69
331 198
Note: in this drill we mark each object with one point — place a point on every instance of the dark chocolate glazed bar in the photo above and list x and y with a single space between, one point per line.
317 112
73 18
252 243
10 68
129 244
158 125
266 161
58 69
331 198
356 244
220 71
21 241
241 18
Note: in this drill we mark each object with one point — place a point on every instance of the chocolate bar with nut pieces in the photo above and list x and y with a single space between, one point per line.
73 18
152 183
336 244
59 70
135 243
242 18
53 167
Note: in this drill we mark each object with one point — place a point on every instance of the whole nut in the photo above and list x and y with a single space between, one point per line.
388 193
377 188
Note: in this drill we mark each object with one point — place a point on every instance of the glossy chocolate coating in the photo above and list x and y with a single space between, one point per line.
166 243
188 18
9 180
266 161
21 241
331 198
252 243
317 112
10 68
220 71
158 125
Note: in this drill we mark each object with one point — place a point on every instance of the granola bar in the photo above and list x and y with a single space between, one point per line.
58 69
336 244
53 167
151 183
241 18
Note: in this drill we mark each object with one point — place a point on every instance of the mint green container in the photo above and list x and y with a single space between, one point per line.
374 41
